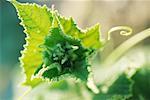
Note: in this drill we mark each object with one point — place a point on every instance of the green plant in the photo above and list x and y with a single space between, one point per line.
57 49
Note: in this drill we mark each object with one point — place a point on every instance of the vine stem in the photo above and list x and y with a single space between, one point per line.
118 52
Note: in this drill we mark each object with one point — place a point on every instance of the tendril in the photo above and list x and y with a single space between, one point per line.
125 46
124 30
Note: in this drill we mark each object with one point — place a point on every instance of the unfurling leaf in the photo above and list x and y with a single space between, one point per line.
64 55
55 46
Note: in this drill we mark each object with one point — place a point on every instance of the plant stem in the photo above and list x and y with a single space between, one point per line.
118 52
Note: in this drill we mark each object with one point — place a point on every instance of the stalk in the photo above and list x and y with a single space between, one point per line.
124 47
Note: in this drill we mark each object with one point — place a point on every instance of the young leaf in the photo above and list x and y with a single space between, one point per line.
36 21
55 46
90 37
65 55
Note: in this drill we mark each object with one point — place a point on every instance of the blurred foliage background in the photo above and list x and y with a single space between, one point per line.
109 13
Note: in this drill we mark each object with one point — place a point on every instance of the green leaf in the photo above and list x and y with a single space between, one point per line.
119 90
64 55
36 21
141 86
121 86
90 37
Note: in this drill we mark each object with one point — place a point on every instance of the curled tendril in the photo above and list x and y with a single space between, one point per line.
125 46
124 30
